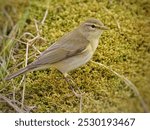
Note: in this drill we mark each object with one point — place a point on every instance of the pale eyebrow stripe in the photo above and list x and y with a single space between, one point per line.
90 24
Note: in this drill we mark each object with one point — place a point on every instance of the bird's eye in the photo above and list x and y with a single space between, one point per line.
93 26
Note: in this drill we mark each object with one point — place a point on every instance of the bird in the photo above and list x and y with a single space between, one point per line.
69 52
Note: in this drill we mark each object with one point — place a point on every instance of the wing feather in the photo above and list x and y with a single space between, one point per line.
68 46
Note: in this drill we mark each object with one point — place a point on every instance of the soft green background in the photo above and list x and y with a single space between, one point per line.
125 48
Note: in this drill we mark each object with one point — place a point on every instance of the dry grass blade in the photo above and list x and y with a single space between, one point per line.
7 48
14 92
129 83
45 15
30 42
9 43
8 16
26 62
23 93
81 102
16 108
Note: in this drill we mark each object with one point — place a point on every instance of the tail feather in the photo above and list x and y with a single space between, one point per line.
21 71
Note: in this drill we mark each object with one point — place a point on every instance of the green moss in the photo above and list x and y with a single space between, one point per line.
125 49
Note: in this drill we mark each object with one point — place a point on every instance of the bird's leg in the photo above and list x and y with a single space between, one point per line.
71 84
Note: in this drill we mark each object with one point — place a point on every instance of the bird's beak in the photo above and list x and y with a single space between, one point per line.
104 28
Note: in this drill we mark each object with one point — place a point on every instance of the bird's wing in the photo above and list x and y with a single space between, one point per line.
61 50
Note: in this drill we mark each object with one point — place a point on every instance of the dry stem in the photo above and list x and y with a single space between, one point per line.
129 83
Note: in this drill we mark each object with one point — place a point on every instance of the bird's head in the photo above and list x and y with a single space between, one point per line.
92 28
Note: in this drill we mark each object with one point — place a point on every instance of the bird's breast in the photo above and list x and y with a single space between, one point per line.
94 44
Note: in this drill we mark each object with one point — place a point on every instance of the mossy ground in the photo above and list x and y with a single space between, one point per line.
125 48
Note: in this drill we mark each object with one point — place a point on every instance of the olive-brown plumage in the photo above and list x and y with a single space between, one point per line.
70 51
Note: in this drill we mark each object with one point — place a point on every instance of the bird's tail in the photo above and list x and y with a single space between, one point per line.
21 71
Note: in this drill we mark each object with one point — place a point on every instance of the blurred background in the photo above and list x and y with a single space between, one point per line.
27 27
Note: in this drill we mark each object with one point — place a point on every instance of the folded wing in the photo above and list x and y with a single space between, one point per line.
64 48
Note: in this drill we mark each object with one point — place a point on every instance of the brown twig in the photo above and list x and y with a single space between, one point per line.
16 108
30 42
